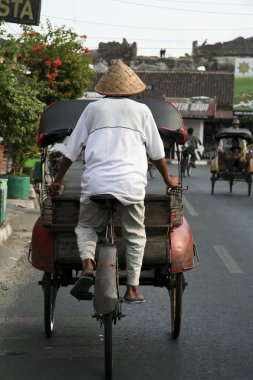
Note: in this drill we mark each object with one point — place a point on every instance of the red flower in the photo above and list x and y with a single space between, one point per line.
19 55
24 34
87 50
51 76
48 63
33 34
36 47
67 81
57 63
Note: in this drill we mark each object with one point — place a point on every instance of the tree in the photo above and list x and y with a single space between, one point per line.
35 70
19 113
57 58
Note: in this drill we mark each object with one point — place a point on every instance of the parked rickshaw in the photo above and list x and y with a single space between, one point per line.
233 160
169 252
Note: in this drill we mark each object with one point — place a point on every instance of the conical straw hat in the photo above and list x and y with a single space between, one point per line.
120 80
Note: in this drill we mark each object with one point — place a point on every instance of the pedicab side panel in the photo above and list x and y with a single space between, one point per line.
64 218
182 251
42 247
156 250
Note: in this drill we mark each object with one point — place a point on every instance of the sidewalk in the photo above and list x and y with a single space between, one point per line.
16 231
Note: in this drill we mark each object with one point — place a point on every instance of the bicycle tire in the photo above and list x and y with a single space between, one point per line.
231 182
108 319
183 168
50 288
176 293
188 168
249 180
213 179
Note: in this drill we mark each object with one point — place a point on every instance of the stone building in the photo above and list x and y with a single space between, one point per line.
221 56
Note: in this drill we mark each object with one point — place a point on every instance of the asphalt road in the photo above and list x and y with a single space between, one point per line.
217 322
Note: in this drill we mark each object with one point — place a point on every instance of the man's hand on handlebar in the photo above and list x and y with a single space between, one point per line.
172 181
55 189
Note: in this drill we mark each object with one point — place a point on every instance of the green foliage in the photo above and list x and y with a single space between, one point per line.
58 60
19 113
35 70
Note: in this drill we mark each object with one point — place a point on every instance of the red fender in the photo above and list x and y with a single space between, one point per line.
182 252
42 248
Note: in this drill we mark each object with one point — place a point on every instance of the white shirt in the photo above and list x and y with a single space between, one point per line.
117 133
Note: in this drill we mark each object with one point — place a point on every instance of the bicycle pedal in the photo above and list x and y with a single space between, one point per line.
84 296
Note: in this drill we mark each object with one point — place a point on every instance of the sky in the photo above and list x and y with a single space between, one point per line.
153 24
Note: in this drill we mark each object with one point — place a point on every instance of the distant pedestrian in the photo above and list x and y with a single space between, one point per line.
162 53
236 123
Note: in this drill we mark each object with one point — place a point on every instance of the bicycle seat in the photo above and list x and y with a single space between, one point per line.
104 198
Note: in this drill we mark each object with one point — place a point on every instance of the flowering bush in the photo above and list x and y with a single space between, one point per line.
35 70
58 58
19 114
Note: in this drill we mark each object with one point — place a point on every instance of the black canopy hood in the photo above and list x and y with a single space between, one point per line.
60 118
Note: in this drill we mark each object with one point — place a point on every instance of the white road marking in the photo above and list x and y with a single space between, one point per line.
227 260
189 207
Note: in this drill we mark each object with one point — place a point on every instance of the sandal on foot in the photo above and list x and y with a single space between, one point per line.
134 301
82 286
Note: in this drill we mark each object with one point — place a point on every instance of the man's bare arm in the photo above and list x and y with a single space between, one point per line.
56 186
171 181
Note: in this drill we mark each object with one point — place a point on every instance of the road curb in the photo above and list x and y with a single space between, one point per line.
20 204
5 232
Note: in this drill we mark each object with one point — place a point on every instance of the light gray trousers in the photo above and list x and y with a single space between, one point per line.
93 219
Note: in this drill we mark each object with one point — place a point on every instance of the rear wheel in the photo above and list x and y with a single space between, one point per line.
108 345
249 180
231 182
183 168
176 293
212 183
50 287
188 167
